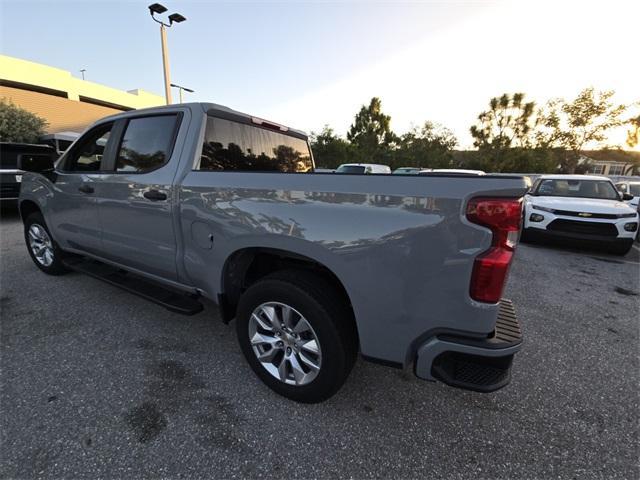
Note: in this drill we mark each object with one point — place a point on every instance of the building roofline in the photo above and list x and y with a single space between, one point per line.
27 75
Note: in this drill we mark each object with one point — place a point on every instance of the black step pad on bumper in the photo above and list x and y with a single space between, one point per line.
477 372
472 372
174 300
506 333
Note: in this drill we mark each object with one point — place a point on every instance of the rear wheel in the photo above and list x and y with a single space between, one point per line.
297 335
44 251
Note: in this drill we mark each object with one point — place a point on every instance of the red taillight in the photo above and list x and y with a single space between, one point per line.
490 269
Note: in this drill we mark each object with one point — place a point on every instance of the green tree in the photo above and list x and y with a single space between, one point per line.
572 126
429 146
508 124
371 134
633 134
531 160
518 160
329 150
19 125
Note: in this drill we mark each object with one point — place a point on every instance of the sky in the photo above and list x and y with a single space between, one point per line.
307 64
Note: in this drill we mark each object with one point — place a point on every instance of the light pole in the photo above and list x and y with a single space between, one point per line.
180 89
173 18
82 72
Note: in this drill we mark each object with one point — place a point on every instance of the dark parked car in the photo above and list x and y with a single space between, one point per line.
10 175
60 141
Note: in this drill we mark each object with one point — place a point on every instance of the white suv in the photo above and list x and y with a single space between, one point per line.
580 207
633 189
363 168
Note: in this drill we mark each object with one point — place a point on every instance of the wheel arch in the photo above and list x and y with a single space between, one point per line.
247 265
27 207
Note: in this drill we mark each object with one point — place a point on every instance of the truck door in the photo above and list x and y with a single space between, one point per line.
135 198
72 210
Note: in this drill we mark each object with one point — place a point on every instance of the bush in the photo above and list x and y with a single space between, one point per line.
19 125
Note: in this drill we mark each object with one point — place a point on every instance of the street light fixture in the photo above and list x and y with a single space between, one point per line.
176 18
180 89
157 8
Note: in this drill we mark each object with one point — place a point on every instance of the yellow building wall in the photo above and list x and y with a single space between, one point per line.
23 71
21 79
61 114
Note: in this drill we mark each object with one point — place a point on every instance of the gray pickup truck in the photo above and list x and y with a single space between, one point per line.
194 201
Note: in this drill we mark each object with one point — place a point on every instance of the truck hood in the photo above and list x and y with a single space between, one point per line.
591 205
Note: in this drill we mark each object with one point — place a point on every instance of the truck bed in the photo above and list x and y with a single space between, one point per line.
400 243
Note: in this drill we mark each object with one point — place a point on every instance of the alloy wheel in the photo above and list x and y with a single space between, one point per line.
284 343
40 244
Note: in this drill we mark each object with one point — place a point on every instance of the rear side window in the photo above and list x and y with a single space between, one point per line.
146 144
235 146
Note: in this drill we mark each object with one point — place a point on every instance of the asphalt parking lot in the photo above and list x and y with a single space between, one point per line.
96 382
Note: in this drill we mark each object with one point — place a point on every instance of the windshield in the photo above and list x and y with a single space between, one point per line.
350 169
577 188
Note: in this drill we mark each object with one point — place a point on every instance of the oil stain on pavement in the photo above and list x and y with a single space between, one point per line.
173 391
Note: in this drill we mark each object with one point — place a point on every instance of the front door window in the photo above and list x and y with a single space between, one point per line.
87 155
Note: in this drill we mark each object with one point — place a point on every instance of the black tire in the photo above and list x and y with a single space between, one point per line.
525 236
323 308
620 249
57 266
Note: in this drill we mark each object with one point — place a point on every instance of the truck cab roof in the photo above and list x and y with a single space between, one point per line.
215 110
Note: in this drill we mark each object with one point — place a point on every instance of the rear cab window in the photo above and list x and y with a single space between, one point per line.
233 146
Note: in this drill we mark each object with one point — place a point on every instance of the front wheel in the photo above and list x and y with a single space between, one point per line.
44 251
620 248
297 335
525 236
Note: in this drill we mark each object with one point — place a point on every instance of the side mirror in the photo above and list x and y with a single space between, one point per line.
627 196
35 162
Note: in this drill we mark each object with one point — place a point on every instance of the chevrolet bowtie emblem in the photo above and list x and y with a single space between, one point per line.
584 214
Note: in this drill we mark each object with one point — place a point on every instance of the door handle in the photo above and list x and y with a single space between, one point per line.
155 195
85 189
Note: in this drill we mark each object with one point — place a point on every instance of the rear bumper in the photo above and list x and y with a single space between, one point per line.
482 365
